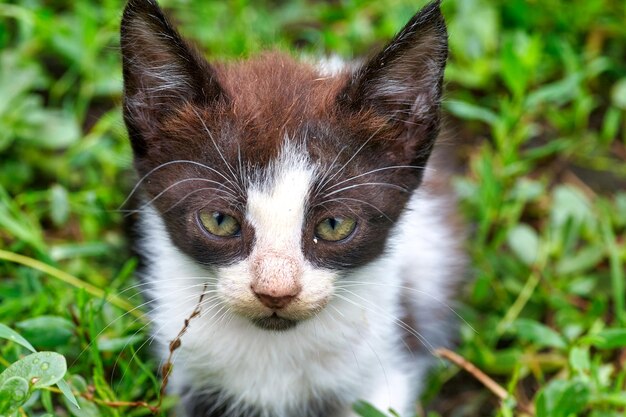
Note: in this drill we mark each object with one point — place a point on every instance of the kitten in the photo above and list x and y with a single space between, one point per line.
292 203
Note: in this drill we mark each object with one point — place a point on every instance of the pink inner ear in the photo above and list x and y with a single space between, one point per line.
403 81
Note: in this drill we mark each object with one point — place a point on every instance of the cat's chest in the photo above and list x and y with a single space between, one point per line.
219 404
309 367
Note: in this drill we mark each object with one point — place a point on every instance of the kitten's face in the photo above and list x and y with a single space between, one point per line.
277 178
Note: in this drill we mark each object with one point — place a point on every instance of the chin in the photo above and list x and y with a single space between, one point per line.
275 323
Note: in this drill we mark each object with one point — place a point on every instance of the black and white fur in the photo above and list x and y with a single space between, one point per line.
367 316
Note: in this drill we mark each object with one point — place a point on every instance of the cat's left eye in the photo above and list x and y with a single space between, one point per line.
334 229
219 224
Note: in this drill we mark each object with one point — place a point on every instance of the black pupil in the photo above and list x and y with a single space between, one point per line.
333 223
219 218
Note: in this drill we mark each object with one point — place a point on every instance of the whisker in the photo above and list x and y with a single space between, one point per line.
397 321
432 297
230 169
165 164
147 321
323 204
384 184
352 157
376 170
357 200
197 191
153 337
157 333
328 170
153 281
169 187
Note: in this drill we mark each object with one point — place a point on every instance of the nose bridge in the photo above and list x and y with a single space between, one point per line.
276 204
276 274
275 208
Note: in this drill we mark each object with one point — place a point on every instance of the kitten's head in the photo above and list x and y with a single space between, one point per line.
275 175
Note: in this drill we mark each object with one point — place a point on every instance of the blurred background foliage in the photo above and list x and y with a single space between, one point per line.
536 116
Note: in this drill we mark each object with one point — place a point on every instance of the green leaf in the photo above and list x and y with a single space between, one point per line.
8 333
118 344
470 111
365 409
583 286
617 399
81 249
84 408
527 190
78 383
562 398
14 392
59 205
41 369
47 331
501 361
579 359
618 94
585 259
519 54
559 92
570 203
524 243
67 393
607 339
52 129
537 333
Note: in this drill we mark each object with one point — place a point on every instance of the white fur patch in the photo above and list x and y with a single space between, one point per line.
276 204
331 66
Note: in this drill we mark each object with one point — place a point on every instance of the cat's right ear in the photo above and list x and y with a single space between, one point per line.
161 70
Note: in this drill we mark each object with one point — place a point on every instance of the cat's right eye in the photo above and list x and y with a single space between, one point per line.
219 224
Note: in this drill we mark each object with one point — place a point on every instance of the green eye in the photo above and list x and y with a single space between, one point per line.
334 229
219 224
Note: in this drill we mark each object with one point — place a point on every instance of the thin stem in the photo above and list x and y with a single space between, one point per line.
70 279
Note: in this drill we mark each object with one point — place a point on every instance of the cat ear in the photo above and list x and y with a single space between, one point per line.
403 82
161 70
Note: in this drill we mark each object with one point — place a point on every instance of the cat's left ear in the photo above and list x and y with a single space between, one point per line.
162 72
403 82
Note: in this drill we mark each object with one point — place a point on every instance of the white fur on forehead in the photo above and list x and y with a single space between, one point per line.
277 201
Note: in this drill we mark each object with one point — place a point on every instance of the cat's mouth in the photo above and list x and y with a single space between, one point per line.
275 322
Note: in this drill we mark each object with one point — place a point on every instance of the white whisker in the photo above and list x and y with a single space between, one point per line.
403 287
165 164
230 169
169 187
364 184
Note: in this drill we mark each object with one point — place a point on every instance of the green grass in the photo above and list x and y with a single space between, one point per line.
536 101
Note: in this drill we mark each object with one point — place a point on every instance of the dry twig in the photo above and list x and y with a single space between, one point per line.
166 369
483 378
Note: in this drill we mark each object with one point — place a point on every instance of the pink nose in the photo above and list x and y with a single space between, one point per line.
274 302
276 279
